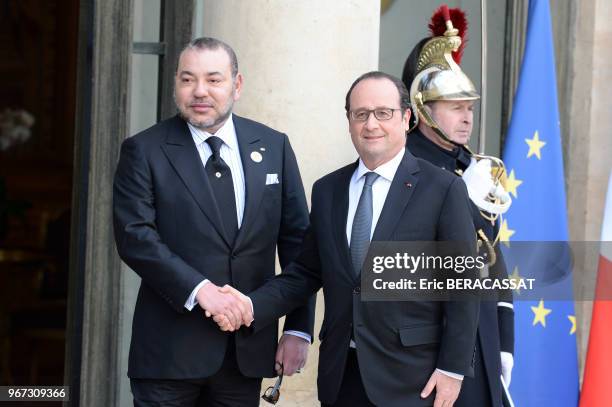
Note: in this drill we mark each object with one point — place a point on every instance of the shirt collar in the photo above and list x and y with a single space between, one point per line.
386 170
227 133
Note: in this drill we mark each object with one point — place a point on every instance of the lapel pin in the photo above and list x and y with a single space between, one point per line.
408 184
256 156
263 149
218 174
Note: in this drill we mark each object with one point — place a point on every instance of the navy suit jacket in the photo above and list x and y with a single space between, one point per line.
168 229
399 344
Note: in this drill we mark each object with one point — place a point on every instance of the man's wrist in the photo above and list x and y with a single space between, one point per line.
192 300
252 309
302 335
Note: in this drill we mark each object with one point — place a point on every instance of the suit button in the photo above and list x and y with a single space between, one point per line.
233 256
356 290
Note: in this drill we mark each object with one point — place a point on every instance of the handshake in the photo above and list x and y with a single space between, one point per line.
229 308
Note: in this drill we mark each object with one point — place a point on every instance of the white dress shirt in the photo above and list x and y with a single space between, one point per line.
380 189
230 153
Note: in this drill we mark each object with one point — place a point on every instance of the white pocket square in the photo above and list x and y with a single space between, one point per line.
271 179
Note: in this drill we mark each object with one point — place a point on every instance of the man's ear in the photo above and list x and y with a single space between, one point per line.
406 118
407 114
238 86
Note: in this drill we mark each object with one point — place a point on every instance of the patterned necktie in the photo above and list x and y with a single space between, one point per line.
220 178
362 224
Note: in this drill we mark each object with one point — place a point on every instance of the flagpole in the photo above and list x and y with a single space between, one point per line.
482 138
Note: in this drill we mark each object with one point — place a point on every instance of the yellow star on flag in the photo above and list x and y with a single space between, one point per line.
535 145
505 233
572 319
540 314
515 276
512 183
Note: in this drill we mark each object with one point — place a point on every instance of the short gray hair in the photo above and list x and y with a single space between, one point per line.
209 43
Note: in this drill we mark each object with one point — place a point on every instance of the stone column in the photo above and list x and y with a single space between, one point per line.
96 281
298 59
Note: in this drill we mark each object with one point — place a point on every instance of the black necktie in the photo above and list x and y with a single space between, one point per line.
222 185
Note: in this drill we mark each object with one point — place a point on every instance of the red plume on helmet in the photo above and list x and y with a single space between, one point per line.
437 26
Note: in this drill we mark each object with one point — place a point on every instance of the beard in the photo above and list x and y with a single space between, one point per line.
207 124
210 123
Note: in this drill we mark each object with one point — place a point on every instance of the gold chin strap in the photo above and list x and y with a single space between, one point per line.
423 114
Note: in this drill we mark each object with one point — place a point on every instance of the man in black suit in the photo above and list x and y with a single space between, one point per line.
378 352
202 200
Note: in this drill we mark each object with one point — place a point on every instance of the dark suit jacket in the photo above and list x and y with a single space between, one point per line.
496 324
399 344
168 230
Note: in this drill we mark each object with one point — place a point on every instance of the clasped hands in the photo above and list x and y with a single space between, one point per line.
229 308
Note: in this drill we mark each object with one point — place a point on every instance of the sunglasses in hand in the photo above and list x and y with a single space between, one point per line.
272 393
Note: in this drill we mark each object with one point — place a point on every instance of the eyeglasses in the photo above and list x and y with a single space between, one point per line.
381 113
272 393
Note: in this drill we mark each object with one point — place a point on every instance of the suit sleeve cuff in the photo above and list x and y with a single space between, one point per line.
451 374
191 301
252 309
299 334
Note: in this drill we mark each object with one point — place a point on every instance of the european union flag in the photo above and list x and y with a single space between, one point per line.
546 363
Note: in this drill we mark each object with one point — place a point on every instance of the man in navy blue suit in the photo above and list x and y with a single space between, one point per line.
383 353
202 200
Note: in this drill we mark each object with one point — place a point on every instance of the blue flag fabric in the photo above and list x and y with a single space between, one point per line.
546 363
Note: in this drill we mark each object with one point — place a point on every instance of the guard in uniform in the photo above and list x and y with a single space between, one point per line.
442 99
